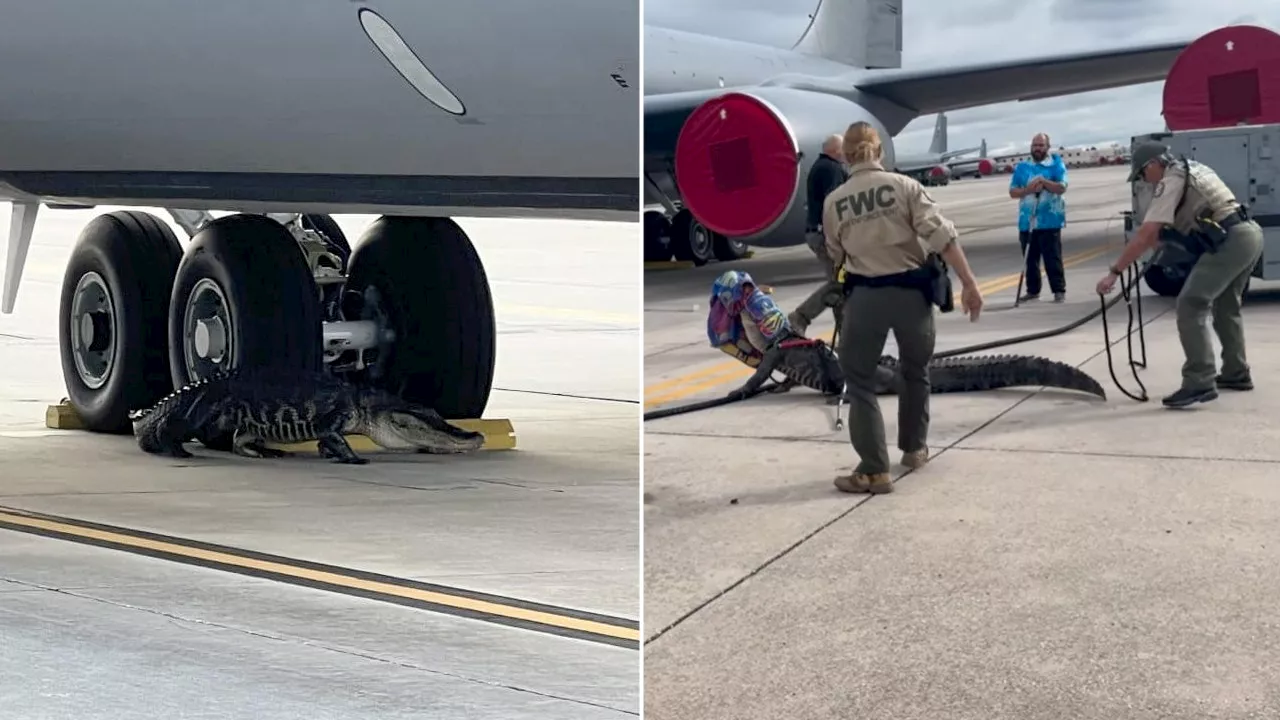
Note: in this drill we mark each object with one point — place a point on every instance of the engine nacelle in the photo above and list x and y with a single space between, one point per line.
1230 76
742 159
985 167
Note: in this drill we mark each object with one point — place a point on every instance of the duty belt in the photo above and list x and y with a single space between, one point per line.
931 278
1240 215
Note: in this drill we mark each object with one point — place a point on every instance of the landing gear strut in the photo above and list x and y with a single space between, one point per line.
687 238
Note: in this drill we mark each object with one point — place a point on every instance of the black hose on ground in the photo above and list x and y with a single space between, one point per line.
1125 290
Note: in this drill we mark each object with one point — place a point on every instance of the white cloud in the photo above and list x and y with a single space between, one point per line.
961 32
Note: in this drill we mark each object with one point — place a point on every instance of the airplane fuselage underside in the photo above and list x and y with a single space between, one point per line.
388 106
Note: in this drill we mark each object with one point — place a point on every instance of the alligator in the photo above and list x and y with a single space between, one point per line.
273 406
812 364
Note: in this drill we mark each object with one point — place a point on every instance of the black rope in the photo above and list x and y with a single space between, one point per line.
1128 286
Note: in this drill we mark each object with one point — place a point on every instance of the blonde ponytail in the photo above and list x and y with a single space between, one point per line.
861 143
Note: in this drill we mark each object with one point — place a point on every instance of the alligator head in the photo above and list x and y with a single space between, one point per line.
396 424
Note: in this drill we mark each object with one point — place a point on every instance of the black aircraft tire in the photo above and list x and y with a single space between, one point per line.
135 255
435 294
683 240
272 308
325 225
727 249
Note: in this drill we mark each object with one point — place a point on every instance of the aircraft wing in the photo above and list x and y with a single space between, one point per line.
958 87
953 154
912 164
917 163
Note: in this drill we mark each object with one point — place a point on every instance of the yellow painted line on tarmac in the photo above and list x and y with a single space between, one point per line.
514 612
692 383
667 264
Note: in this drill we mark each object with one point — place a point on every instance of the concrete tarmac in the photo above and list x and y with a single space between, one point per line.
1060 556
90 632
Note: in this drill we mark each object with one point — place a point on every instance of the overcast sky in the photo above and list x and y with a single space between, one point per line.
941 32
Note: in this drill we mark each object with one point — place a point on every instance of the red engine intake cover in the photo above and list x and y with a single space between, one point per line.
736 165
1227 77
985 167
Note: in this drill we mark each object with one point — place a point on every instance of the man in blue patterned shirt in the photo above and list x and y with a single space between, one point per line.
1038 185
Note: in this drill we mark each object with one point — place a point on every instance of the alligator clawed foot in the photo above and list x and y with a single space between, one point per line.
337 456
353 460
784 386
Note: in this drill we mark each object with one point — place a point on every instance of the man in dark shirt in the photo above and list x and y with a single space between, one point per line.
827 174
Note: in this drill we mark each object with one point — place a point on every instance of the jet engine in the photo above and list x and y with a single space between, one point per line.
742 158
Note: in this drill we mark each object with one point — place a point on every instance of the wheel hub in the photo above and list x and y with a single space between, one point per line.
92 330
211 339
208 334
699 238
95 331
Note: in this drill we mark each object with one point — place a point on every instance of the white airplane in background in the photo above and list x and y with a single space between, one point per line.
934 167
731 127
284 112
977 167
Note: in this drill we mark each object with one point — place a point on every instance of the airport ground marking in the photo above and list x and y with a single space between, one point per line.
513 612
678 388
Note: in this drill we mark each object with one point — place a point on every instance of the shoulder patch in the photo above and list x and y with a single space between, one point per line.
1159 190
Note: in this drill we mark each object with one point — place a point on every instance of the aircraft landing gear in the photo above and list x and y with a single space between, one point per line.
141 318
423 281
656 227
114 310
243 296
691 240
728 249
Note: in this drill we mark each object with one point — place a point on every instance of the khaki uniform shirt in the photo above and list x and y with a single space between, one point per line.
1206 192
881 223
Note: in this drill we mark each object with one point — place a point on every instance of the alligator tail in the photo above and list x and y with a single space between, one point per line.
992 372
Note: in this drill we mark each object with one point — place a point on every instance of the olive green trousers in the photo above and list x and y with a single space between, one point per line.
869 314
1214 288
827 295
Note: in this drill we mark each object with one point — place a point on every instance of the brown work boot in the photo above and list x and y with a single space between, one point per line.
857 482
917 458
